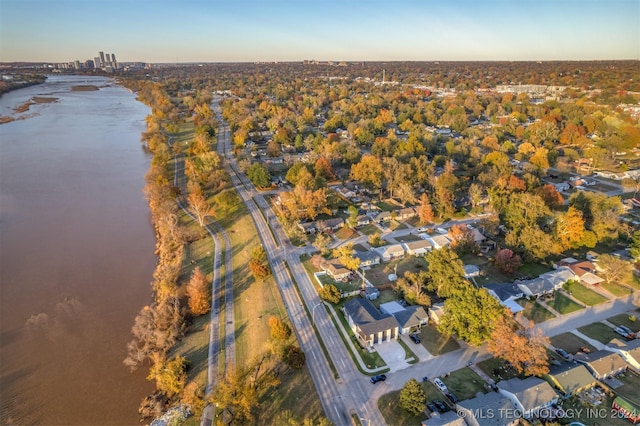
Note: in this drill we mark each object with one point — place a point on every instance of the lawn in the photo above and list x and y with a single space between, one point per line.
563 304
346 233
497 370
631 385
389 405
534 311
570 343
386 295
534 269
194 346
584 294
616 289
379 274
464 383
369 229
599 331
623 319
436 343
407 238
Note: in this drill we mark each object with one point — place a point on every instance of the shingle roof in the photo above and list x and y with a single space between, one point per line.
367 317
532 392
571 377
411 316
602 362
493 409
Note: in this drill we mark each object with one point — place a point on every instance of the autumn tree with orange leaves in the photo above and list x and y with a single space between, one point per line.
524 347
424 210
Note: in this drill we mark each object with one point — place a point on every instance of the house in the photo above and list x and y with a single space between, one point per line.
491 409
307 227
436 311
570 379
363 220
337 271
602 364
562 186
628 350
390 252
450 418
536 287
345 192
409 318
382 217
529 395
404 214
559 277
369 325
471 271
507 294
418 248
367 258
439 241
332 224
478 237
585 271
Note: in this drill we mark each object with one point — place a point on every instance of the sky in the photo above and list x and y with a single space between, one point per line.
350 30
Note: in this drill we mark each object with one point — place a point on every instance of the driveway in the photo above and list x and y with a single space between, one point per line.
393 355
421 352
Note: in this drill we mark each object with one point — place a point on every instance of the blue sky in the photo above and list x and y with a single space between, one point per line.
252 30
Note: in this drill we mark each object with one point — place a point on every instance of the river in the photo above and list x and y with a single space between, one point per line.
76 253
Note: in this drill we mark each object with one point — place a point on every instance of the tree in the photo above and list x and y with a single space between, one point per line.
369 171
258 263
259 175
352 220
634 245
304 203
462 239
532 242
345 254
279 330
375 240
198 293
412 287
321 242
523 347
570 228
323 168
273 149
507 261
170 376
471 314
445 272
199 206
615 269
550 195
294 357
424 210
412 397
330 293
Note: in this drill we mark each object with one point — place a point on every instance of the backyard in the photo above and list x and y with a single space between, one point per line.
379 274
497 369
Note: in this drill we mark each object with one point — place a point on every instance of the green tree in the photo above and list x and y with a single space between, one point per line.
330 293
259 175
294 357
412 397
352 220
170 376
634 245
445 272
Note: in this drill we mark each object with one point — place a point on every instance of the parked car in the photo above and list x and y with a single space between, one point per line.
378 378
422 229
440 406
564 354
625 331
440 385
441 230
415 338
452 397
432 407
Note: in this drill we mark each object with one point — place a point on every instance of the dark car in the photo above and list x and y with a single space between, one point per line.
378 378
564 354
452 397
431 406
440 406
415 338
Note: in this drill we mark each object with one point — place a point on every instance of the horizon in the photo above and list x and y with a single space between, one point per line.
278 31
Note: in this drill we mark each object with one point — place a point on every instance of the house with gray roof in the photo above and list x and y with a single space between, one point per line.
418 248
450 418
507 294
491 409
536 287
602 364
628 350
368 324
367 258
409 317
529 395
439 241
390 252
570 378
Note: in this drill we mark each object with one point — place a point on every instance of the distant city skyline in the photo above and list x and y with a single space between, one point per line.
368 30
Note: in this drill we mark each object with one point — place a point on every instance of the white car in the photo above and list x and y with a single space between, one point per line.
441 230
422 229
440 385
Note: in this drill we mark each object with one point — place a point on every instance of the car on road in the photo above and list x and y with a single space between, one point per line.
378 378
440 385
441 231
422 229
625 331
564 354
415 338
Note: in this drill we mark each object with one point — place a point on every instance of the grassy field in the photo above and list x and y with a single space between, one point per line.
534 311
379 274
570 343
464 383
394 415
563 304
623 319
195 348
599 331
534 269
584 294
436 343
369 229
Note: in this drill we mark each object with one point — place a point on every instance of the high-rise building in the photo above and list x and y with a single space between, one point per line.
97 63
113 58
102 61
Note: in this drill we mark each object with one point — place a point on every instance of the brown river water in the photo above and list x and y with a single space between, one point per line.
76 254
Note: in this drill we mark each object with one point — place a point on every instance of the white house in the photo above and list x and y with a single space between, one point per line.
471 271
439 241
629 351
390 252
418 248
